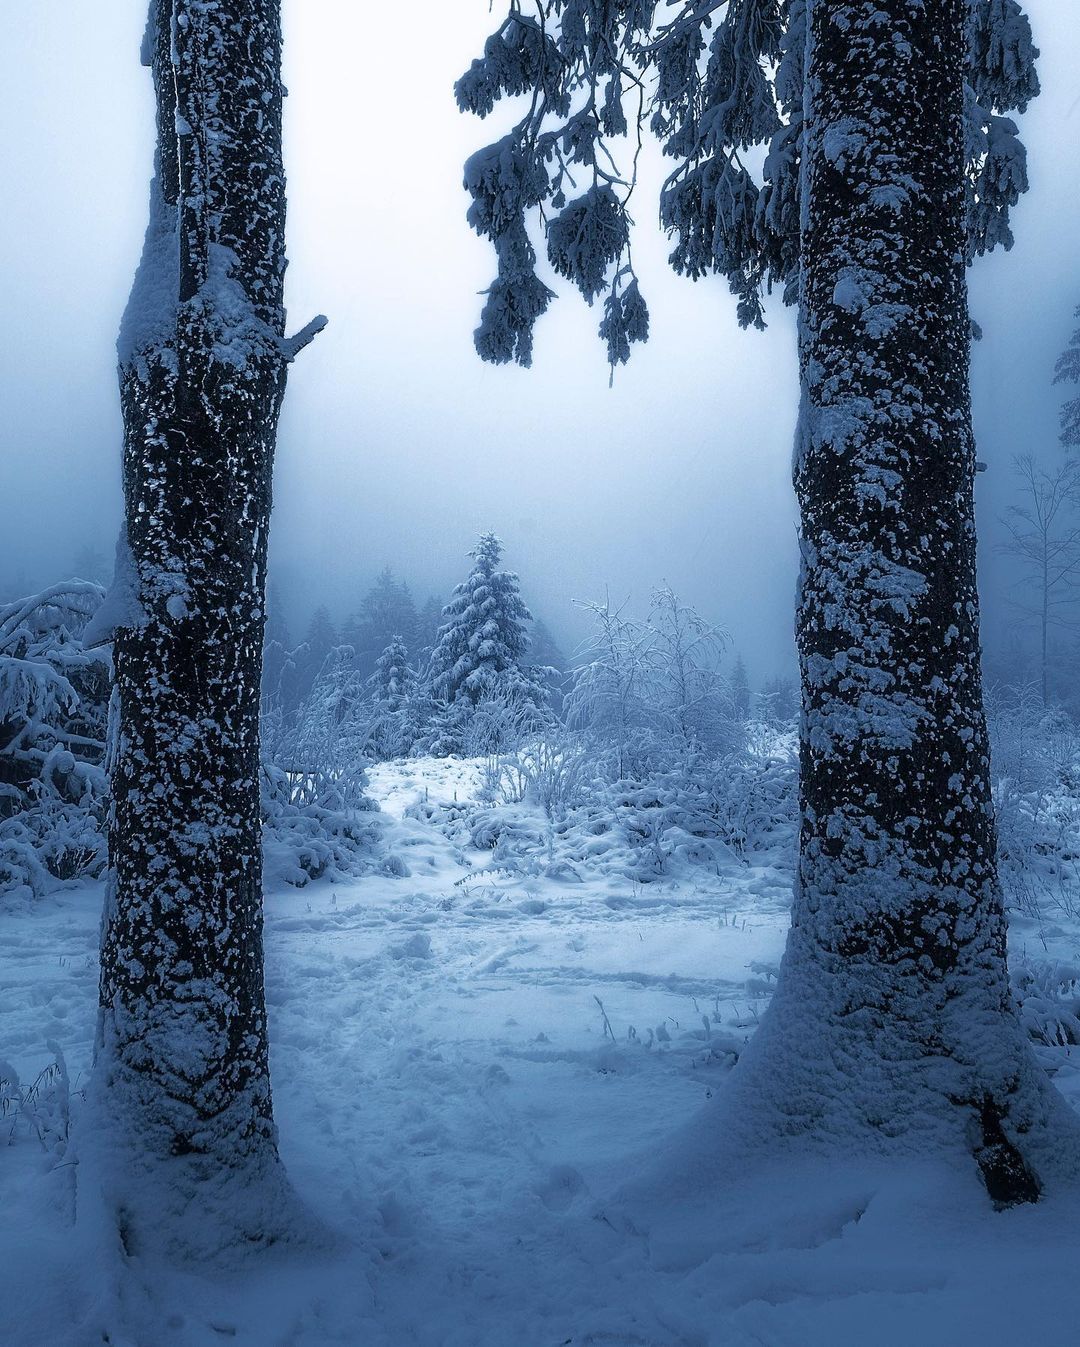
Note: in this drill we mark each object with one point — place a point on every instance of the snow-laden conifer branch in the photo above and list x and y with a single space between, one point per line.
719 79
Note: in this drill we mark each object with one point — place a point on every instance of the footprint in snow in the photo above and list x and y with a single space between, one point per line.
561 1188
417 946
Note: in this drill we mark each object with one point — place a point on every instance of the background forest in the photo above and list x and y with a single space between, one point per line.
644 948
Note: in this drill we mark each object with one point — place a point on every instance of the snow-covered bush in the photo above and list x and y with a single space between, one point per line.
610 702
656 767
651 695
552 773
497 723
511 832
316 822
547 809
1048 998
43 1107
54 697
753 795
317 817
705 813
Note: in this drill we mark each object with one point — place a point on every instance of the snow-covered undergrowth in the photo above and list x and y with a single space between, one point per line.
55 682
472 1053
546 810
317 824
53 699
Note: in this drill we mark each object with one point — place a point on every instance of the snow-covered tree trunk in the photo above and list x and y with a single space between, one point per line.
182 1052
892 1018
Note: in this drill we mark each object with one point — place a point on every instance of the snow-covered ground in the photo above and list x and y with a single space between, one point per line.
467 1066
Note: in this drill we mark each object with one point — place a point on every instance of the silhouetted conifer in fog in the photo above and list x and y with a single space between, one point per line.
386 611
1068 371
740 690
1043 536
320 639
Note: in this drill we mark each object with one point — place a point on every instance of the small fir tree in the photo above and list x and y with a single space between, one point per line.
482 693
393 680
398 711
482 644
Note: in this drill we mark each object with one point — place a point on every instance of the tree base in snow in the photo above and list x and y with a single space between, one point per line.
216 1207
825 1085
848 1249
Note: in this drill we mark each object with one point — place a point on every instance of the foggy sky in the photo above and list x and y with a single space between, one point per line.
397 445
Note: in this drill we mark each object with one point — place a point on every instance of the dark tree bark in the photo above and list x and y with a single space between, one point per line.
182 1045
893 1015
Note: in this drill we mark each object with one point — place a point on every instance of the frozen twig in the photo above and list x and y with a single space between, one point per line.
292 346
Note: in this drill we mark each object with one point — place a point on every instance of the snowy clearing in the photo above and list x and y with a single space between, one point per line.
467 1066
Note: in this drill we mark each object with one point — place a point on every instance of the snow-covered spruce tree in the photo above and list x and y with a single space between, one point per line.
889 164
478 657
182 1083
